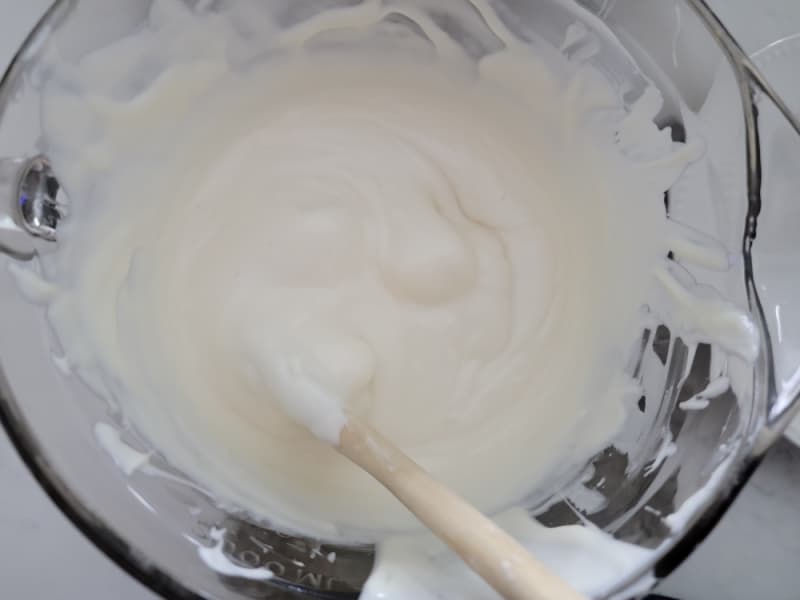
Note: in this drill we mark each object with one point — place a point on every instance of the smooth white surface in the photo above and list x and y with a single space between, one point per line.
43 557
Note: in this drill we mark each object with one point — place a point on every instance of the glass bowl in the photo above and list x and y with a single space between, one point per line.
661 485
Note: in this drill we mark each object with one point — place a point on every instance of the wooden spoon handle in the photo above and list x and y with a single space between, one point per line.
488 550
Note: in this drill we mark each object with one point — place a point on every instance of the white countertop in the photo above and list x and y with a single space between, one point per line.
754 553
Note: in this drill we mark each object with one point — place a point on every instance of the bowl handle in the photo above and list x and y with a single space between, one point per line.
781 405
30 205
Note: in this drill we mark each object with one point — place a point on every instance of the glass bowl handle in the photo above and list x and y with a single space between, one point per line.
782 403
31 205
14 239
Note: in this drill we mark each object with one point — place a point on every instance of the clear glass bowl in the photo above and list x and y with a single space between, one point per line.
643 489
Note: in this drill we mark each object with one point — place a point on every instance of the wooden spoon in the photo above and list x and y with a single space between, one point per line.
488 550
294 377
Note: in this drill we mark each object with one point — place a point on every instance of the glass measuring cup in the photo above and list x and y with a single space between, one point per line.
173 535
